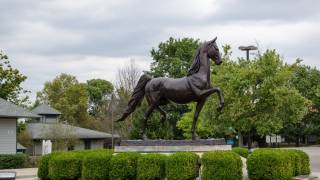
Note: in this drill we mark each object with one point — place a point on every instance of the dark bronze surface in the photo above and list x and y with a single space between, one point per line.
195 87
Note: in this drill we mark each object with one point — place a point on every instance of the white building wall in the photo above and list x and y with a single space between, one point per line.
8 136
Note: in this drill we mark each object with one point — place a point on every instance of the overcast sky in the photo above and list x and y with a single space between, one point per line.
93 38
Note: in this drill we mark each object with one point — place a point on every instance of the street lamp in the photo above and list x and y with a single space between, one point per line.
247 49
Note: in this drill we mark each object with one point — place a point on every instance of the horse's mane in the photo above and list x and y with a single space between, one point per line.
195 66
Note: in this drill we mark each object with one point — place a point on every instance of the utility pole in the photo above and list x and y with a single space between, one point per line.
110 109
247 49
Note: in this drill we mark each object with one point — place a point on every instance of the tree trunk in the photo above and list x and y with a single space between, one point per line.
240 140
249 140
297 141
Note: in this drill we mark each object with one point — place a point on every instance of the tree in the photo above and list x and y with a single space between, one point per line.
10 82
99 92
70 97
61 136
259 98
307 81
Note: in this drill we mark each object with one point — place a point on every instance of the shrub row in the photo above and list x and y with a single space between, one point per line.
277 164
13 161
124 166
241 151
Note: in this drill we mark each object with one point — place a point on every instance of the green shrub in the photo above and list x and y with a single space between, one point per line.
295 162
65 166
305 162
241 151
43 166
13 161
270 164
221 165
96 165
124 166
182 166
151 167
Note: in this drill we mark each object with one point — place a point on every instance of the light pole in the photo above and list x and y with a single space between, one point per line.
247 49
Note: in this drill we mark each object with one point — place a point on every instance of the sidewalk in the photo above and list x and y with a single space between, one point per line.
27 173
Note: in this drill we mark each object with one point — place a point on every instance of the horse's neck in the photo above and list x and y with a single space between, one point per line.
204 70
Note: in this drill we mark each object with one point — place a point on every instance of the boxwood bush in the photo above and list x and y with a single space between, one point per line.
270 164
182 166
65 166
151 167
221 165
96 166
241 151
43 167
124 166
13 161
304 161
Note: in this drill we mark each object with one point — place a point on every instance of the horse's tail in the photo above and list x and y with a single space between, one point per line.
137 96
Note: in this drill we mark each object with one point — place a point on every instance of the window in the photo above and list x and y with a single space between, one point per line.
87 144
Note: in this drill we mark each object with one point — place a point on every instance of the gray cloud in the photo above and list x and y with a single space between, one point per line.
86 37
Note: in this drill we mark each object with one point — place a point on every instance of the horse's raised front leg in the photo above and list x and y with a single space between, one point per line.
208 92
145 120
195 119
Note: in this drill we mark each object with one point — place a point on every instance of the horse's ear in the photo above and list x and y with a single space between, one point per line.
214 40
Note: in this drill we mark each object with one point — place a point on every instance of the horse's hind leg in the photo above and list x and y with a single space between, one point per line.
145 120
195 119
163 115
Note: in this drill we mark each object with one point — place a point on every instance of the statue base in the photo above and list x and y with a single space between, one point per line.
172 146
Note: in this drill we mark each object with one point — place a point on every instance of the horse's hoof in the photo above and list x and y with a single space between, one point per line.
145 137
195 137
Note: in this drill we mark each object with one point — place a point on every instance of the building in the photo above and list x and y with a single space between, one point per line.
47 124
9 114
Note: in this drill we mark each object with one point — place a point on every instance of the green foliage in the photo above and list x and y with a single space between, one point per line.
124 165
182 166
43 167
258 97
307 81
221 165
151 167
241 151
67 95
10 81
99 91
96 166
65 166
270 164
13 161
304 162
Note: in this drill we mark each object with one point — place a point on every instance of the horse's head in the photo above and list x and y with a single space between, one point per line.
213 51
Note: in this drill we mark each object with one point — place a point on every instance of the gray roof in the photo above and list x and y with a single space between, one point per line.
45 109
8 109
41 130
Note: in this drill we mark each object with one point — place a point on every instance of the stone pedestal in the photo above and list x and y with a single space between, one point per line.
172 146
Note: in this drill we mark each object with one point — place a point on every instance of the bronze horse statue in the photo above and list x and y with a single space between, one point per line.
196 87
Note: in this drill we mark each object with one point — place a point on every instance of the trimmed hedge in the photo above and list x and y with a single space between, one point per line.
304 162
182 166
13 161
43 167
65 166
151 167
241 151
221 165
96 166
124 165
270 164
